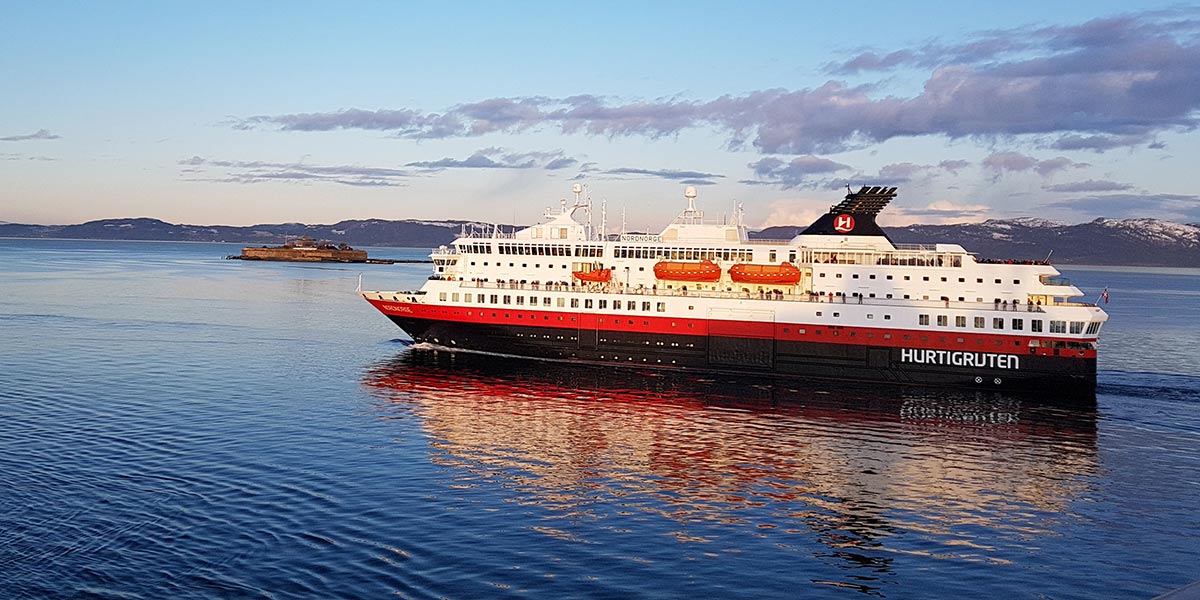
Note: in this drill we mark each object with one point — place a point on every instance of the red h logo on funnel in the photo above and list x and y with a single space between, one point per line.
843 223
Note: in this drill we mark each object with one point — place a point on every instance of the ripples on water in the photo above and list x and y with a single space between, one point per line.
179 426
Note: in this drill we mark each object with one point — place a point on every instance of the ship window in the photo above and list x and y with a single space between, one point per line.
662 307
603 304
997 281
997 323
889 296
1076 326
960 298
942 320
1016 282
960 321
574 302
562 302
1058 326
962 280
691 307
923 319
442 296
587 303
855 276
520 300
887 336
906 278
495 298
837 314
889 277
467 298
839 275
906 296
818 313
508 299
979 322
887 317
943 279
821 274
872 295
872 276
1035 325
925 278
546 301
979 280
472 263
870 316
630 305
454 296
646 306
1018 324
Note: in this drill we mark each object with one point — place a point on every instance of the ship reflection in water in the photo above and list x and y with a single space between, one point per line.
863 482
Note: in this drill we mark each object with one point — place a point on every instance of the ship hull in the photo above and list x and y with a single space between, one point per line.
1065 376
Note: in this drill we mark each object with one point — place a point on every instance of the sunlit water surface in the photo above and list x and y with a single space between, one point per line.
178 425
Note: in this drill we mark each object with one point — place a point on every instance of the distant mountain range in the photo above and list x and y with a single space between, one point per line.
1134 242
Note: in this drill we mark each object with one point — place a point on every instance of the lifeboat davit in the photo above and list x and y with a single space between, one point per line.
704 270
598 275
780 274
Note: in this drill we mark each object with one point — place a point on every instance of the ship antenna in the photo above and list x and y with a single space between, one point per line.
604 219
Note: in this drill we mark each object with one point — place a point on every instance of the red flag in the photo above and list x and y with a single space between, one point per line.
1104 295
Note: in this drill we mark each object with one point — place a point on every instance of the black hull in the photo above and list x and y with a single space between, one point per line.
1060 376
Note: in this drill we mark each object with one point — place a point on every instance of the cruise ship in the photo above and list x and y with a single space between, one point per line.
838 301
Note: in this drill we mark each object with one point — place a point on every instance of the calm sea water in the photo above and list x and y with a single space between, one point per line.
177 425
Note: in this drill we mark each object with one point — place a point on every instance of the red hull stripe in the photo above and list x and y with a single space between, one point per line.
635 321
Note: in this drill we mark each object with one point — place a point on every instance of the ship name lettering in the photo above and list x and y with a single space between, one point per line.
988 360
398 308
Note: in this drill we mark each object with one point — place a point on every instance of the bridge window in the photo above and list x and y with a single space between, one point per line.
603 304
960 321
646 306
1018 324
1076 326
574 302
922 319
1035 325
662 307
495 298
630 305
997 323
1058 326
942 320
979 322
587 303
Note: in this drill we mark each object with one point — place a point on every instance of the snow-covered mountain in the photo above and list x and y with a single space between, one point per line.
1141 242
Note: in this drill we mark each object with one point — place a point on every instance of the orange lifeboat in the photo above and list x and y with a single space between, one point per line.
781 274
597 276
704 270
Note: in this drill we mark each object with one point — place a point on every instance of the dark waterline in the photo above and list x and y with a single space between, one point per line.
178 425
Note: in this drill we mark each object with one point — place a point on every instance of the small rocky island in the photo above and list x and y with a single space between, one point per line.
306 249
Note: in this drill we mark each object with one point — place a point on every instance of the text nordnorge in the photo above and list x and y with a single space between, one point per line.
960 359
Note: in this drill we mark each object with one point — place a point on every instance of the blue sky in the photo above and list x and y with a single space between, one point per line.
241 113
